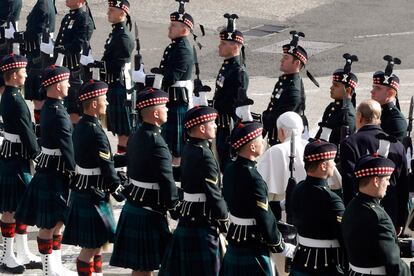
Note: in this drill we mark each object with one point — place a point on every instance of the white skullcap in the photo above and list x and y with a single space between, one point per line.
290 120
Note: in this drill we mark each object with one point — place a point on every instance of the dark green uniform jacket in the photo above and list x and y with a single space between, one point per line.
334 118
288 95
393 121
118 50
75 29
17 120
369 236
246 195
200 173
149 160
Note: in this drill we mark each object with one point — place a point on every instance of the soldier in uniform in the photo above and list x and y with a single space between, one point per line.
44 202
18 148
9 15
142 234
90 223
39 20
194 249
384 90
115 70
253 231
177 66
369 235
231 85
341 112
370 138
273 165
319 250
76 28
289 93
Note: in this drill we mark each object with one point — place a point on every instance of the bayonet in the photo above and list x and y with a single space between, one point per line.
198 85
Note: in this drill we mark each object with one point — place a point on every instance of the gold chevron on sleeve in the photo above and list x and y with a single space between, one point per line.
262 205
105 155
214 182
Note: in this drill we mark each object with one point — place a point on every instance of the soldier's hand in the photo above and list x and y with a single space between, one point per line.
9 32
223 225
289 250
116 192
47 48
99 64
243 112
139 76
86 60
60 49
175 212
201 99
19 37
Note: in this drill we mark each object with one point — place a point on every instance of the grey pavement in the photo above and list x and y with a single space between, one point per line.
368 28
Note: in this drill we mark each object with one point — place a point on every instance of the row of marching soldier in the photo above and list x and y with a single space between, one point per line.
173 143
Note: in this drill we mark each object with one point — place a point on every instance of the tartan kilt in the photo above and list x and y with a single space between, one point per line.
173 129
89 223
194 250
141 239
246 261
14 179
71 102
33 89
118 114
44 201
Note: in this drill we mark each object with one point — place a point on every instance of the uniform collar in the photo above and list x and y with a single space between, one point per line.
316 181
75 11
235 59
11 89
150 127
119 25
245 161
198 142
289 76
54 101
90 118
178 39
388 105
368 198
369 127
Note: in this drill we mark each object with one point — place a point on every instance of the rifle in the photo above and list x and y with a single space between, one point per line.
138 86
198 85
46 59
292 181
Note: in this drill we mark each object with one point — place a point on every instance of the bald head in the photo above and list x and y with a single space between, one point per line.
368 113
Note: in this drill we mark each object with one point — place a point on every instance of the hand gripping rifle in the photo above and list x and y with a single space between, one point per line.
138 86
198 85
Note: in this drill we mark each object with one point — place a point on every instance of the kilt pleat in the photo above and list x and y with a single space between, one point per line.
172 130
89 223
118 114
14 179
44 201
246 261
141 239
194 250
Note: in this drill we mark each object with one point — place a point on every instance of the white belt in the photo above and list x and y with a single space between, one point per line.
83 171
182 83
47 151
379 270
14 138
318 243
145 185
195 197
242 221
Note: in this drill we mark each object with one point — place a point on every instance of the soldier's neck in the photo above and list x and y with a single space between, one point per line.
12 84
